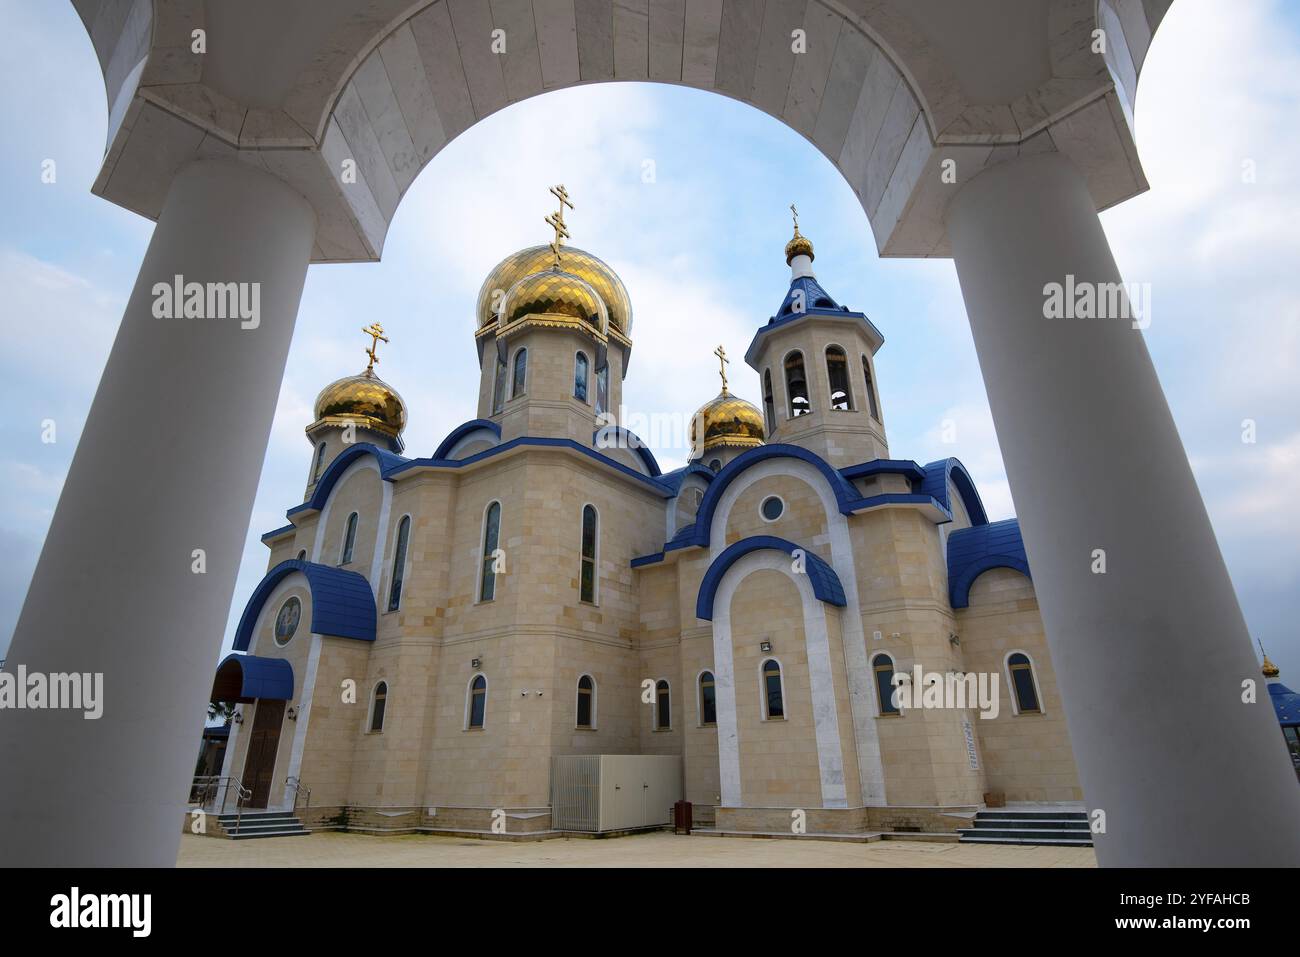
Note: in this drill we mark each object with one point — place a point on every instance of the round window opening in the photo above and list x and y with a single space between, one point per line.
286 622
772 508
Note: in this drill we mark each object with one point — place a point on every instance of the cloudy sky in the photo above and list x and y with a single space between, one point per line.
699 248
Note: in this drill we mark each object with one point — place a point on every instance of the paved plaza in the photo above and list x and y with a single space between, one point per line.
659 849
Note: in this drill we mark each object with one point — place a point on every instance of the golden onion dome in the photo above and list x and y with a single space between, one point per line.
728 420
366 400
799 245
577 262
554 292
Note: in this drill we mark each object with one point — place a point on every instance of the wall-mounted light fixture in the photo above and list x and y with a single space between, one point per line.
476 663
292 713
765 647
954 640
237 717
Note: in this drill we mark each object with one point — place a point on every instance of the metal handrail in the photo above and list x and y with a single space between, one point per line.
298 788
206 786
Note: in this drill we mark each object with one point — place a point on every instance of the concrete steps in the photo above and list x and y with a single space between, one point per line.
1047 826
253 824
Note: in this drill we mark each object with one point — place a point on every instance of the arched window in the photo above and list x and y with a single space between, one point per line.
302 554
1023 684
715 465
663 706
773 690
499 386
378 704
883 668
580 377
521 374
602 389
769 403
399 563
871 389
837 374
708 699
587 573
320 461
491 536
349 539
476 706
796 385
586 702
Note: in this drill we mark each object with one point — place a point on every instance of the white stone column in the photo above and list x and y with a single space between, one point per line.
168 463
1150 656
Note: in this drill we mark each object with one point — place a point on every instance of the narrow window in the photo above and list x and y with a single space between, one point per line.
837 373
377 705
320 461
602 389
708 700
1022 682
491 535
663 706
302 555
580 377
773 695
769 404
587 574
883 667
477 702
349 539
871 389
796 385
399 563
499 387
586 702
521 374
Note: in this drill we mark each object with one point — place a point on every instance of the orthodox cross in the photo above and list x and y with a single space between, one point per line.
721 353
795 213
376 333
556 221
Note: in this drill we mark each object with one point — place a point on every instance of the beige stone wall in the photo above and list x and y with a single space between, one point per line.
1028 756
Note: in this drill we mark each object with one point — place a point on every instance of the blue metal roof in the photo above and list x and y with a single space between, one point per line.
342 603
826 584
935 484
462 430
973 551
810 296
246 677
388 462
1286 703
676 477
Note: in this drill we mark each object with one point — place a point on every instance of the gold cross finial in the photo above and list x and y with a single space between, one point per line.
721 353
556 221
795 213
376 333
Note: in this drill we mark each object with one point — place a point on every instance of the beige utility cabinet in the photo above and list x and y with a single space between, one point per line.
614 792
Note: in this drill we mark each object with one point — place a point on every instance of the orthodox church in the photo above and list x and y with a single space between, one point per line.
439 642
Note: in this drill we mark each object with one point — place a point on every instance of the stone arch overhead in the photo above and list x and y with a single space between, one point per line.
342 603
825 583
387 83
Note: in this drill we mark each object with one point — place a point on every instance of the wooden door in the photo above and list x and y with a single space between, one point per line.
259 765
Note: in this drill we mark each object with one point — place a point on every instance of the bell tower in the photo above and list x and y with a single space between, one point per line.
816 365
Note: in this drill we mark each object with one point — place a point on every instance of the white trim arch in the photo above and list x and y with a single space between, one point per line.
830 759
871 769
762 687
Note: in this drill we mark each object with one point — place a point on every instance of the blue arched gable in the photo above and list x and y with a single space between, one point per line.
677 477
342 603
973 551
845 494
826 584
629 440
935 484
247 677
388 461
458 433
